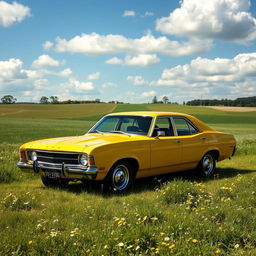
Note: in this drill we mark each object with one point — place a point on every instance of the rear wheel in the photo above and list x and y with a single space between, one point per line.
206 167
48 182
120 177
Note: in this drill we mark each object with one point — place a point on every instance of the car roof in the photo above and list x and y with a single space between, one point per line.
149 113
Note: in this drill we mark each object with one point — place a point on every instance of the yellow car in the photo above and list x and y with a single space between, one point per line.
125 146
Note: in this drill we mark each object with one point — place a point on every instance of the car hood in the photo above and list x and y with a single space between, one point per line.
83 143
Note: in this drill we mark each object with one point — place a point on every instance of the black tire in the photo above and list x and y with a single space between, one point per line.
120 177
48 182
206 167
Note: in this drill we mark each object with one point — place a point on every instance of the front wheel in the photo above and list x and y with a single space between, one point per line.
206 167
120 177
48 182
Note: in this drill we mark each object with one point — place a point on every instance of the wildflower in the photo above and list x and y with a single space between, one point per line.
137 248
163 243
162 233
105 247
166 238
171 246
218 251
236 246
30 242
154 218
120 244
194 241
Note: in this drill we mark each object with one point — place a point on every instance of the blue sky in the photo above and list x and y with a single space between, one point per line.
128 51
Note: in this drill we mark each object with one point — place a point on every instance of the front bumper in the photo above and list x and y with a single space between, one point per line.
65 170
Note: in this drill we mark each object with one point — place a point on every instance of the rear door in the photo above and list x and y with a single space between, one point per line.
194 143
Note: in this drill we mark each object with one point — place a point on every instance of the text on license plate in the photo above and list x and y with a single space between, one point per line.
52 175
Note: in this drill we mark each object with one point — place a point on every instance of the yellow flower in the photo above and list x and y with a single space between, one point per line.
194 241
162 233
171 246
218 251
30 242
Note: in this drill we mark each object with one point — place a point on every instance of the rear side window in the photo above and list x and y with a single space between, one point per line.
184 127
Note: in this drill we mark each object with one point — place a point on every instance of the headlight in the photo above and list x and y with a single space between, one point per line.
83 159
33 156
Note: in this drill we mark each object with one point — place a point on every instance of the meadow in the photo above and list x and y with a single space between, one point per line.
176 214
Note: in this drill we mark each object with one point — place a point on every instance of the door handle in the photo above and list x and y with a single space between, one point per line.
203 138
178 141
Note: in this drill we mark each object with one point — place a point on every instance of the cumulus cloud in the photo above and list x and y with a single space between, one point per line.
215 19
114 61
203 72
79 86
65 73
44 61
136 80
109 85
147 44
129 13
11 70
148 94
11 13
140 60
94 76
148 14
47 45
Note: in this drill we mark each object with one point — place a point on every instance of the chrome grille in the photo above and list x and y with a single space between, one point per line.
57 157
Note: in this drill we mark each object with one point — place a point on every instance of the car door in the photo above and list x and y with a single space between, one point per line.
194 142
166 149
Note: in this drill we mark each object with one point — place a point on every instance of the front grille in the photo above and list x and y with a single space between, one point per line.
57 157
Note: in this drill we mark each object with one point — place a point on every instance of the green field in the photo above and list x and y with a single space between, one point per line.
176 214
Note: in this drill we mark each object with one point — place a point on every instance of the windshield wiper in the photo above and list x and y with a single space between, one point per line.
121 132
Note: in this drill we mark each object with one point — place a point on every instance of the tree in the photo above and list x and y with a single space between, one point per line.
54 99
165 99
44 100
154 101
8 99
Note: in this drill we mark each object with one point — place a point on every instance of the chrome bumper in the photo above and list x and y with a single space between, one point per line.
66 170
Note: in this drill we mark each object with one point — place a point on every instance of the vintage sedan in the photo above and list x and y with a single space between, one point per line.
125 146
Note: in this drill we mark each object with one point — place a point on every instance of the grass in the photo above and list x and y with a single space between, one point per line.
175 214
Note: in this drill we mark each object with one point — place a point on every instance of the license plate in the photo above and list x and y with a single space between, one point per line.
52 175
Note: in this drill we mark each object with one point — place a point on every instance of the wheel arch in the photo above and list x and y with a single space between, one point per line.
215 153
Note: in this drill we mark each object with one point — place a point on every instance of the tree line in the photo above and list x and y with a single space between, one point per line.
239 102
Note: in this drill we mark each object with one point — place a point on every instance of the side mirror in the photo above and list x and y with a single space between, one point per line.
160 133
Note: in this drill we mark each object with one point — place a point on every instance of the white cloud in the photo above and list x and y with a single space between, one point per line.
11 70
129 13
65 73
215 19
136 80
140 60
114 61
47 45
227 74
148 14
94 76
109 85
41 83
148 94
11 13
44 61
80 86
147 44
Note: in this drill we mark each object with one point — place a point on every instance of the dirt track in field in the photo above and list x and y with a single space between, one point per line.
234 109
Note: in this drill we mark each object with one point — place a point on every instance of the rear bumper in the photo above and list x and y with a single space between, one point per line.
65 170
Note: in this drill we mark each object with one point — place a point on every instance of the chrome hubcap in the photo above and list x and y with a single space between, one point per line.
120 177
208 164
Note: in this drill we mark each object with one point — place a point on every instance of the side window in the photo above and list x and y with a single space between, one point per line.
163 124
183 127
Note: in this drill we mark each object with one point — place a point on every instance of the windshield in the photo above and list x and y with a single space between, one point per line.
123 124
